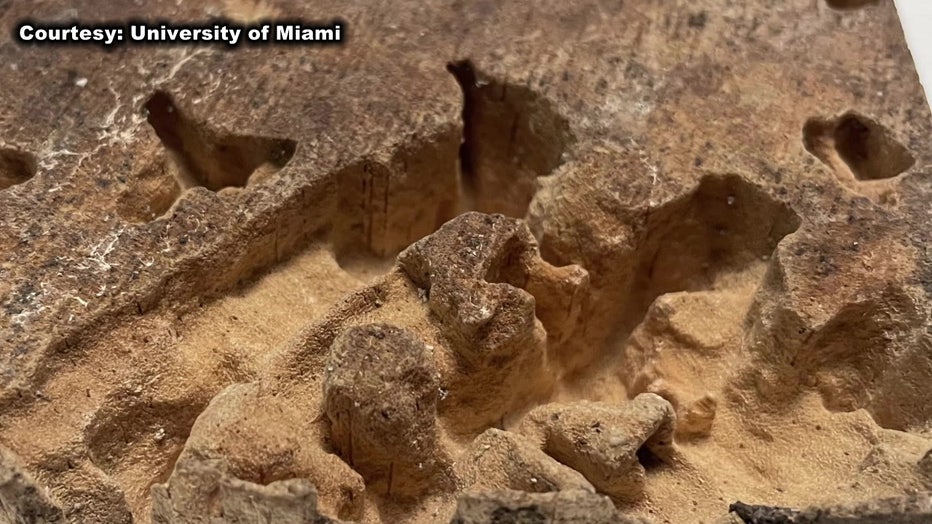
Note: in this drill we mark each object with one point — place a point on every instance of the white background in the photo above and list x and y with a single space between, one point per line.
916 17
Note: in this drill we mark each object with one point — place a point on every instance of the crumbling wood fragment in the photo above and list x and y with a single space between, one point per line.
908 509
752 514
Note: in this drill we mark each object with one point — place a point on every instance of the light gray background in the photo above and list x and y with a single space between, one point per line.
916 17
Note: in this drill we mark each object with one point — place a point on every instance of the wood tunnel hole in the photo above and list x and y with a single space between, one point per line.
511 136
508 137
725 226
16 167
853 145
212 159
465 75
869 150
648 459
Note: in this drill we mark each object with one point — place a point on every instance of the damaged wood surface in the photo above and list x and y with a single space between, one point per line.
349 282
